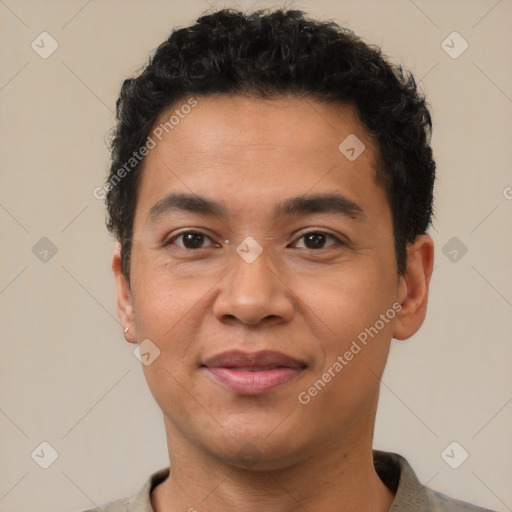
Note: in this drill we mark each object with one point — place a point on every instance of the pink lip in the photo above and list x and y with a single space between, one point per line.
253 373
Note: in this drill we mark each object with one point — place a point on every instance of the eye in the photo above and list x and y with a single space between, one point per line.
317 240
190 240
194 240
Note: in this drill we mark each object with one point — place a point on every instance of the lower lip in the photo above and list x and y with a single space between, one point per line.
253 382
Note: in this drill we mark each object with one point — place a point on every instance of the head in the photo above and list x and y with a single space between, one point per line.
299 135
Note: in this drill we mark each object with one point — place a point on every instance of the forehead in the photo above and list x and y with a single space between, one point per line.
251 153
223 124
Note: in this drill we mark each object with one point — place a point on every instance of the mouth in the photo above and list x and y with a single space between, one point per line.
253 373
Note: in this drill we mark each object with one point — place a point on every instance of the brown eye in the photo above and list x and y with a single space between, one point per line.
317 240
190 240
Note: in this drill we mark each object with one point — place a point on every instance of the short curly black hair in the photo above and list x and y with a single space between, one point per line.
269 53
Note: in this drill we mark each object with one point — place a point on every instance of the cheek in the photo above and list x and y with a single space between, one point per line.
162 296
349 298
357 306
349 376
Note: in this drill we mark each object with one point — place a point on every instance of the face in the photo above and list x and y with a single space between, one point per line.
272 344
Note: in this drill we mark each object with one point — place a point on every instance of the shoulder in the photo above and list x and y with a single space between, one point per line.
410 494
140 501
442 503
120 505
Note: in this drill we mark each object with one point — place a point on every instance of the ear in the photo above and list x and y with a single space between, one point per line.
124 297
413 287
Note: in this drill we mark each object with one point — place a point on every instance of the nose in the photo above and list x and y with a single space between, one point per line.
252 293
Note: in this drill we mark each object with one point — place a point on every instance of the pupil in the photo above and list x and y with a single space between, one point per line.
193 240
318 239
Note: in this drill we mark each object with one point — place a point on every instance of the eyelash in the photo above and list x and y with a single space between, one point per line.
328 235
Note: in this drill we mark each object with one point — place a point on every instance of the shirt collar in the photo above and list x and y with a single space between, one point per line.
393 470
398 475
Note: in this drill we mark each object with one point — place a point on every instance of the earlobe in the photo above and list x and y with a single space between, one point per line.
413 287
124 297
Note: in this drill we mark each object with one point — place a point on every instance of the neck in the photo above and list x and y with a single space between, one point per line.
336 477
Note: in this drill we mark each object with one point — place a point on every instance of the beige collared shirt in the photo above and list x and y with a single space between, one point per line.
393 469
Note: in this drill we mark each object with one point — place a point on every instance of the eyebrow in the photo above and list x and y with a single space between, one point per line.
306 204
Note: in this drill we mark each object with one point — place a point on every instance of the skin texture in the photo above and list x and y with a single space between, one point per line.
238 452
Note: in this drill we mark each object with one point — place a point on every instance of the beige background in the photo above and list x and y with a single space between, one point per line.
67 376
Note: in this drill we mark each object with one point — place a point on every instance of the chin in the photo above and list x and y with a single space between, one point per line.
255 457
258 449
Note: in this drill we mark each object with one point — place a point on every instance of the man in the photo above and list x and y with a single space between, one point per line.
270 191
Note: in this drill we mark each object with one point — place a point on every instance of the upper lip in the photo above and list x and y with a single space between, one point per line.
263 358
